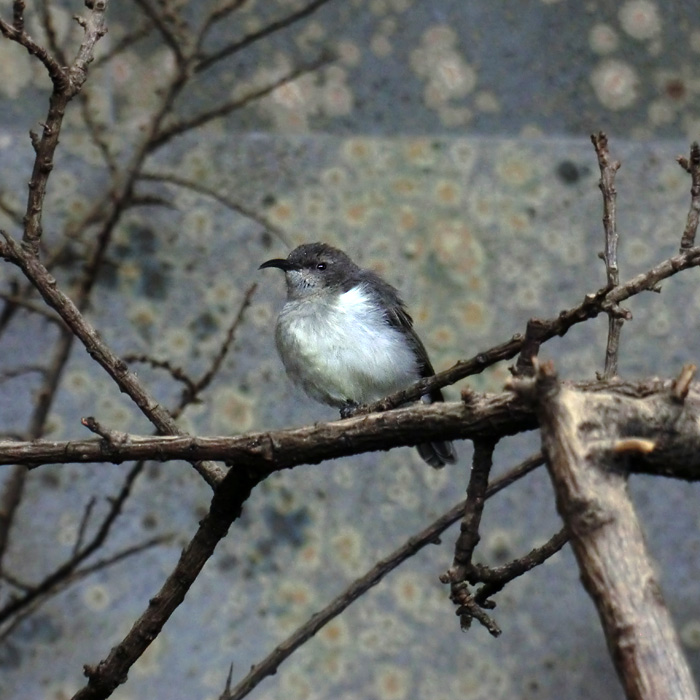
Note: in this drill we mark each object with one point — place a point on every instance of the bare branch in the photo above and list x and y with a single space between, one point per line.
73 577
66 569
231 204
177 373
218 13
83 525
221 110
97 131
15 32
20 301
607 539
608 170
496 578
650 404
492 416
192 392
170 31
430 535
468 607
692 166
51 35
9 501
269 29
128 40
66 83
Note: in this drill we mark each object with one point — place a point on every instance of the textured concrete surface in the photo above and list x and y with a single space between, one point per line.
447 147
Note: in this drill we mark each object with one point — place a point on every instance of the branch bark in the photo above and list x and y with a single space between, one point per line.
607 538
645 413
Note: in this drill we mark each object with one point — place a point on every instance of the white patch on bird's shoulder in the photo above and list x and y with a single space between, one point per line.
340 348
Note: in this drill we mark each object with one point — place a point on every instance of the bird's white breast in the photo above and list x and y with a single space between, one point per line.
340 348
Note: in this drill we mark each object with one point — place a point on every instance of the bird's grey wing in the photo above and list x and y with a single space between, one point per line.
438 452
398 317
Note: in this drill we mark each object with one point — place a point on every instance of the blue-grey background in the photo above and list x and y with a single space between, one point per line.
446 147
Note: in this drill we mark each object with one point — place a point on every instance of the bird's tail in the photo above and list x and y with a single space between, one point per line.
437 454
441 452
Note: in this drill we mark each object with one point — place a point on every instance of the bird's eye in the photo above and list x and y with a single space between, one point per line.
321 266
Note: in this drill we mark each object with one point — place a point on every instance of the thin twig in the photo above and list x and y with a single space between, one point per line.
192 392
73 577
177 373
97 131
692 165
9 501
8 374
13 213
22 302
51 34
83 526
216 14
244 210
608 170
267 30
496 578
125 42
225 108
171 32
48 583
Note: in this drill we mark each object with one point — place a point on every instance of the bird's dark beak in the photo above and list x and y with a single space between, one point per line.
277 262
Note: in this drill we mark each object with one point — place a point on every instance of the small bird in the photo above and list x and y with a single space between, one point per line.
345 337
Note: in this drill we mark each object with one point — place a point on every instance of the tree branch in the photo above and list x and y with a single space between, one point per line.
641 411
492 415
608 170
606 536
269 29
468 608
692 166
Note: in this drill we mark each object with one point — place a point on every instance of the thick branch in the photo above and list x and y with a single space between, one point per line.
646 412
490 416
608 542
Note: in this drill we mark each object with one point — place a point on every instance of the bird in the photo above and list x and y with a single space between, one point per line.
345 337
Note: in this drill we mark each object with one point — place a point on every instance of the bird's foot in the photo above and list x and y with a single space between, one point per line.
347 410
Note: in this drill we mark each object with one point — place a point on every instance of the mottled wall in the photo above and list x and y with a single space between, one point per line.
446 147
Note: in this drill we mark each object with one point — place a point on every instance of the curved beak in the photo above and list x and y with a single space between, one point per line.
277 262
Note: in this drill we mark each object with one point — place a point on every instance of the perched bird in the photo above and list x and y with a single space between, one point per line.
345 337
